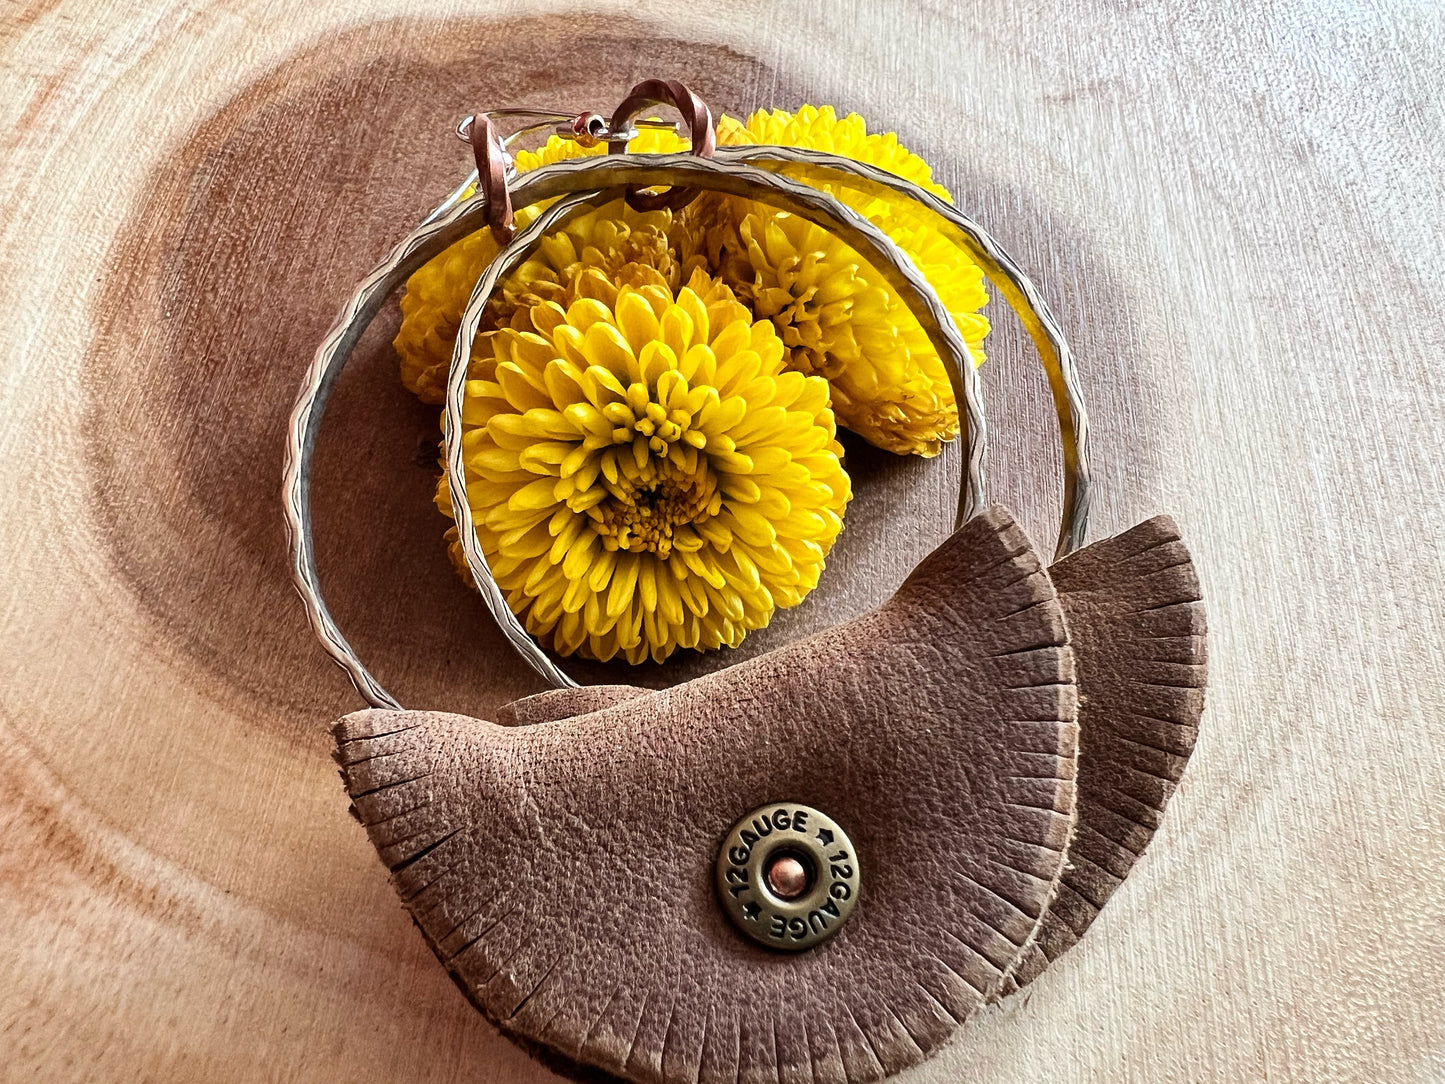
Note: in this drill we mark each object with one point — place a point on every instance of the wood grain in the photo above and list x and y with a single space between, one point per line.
1234 206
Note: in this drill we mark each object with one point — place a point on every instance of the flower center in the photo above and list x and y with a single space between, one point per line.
655 473
642 517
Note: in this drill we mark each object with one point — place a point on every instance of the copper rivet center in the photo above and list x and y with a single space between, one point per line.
787 876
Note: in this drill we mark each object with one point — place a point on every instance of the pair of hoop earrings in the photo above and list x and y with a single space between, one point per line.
824 859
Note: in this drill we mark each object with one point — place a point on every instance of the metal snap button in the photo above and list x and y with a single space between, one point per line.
787 876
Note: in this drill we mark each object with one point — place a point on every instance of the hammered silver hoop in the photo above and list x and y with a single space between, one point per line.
687 170
754 172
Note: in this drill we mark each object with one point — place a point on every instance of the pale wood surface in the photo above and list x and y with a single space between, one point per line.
1236 207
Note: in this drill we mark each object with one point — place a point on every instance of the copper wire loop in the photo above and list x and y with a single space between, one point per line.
695 114
492 175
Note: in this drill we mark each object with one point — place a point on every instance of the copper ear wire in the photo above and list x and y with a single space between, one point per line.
491 157
588 129
701 131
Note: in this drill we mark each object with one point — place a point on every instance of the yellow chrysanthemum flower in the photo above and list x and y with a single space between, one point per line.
836 313
841 323
644 473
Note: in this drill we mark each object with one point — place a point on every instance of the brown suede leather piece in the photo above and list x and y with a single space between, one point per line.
554 704
1137 625
563 871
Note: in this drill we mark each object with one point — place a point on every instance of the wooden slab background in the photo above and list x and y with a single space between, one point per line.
1236 207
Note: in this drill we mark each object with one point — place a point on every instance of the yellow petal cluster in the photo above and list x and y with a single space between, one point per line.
437 292
643 471
835 312
626 245
431 313
821 129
